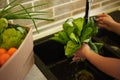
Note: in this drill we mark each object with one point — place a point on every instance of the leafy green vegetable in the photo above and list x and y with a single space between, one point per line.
68 28
11 38
3 24
23 13
93 46
98 45
70 48
73 35
74 38
61 37
86 33
78 23
13 35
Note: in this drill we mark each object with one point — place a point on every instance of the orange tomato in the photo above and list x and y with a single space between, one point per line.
2 51
4 58
11 51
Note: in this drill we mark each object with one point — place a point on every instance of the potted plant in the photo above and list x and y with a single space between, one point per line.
19 38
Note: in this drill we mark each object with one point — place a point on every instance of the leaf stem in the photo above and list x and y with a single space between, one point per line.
30 7
30 17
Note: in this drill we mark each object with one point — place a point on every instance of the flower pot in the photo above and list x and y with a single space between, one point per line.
17 66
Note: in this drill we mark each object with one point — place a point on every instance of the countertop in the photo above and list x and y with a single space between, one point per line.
35 74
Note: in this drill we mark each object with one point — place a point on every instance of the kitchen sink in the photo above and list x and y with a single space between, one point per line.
51 54
51 60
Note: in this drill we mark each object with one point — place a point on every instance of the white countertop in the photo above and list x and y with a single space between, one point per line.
35 74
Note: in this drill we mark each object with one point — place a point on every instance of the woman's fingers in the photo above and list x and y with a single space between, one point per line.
75 58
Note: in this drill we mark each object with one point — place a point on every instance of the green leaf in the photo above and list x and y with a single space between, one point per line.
22 30
63 36
78 33
23 13
6 8
30 17
21 10
55 38
93 46
60 37
14 16
86 33
78 23
74 38
68 28
99 45
70 48
1 40
93 26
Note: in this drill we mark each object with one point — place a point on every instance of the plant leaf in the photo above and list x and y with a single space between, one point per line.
30 17
70 48
78 23
30 7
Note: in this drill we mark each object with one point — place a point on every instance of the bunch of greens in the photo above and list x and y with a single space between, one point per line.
24 13
75 33
11 35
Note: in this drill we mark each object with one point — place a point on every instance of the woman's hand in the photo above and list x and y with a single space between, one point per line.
81 53
105 21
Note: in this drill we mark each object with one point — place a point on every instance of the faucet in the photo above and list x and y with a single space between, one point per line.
87 11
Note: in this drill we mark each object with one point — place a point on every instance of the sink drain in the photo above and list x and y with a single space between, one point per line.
84 75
